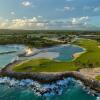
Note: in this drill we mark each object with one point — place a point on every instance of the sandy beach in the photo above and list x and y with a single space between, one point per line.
90 72
99 46
76 55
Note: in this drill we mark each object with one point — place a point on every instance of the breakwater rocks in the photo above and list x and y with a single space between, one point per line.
43 77
40 89
7 52
49 89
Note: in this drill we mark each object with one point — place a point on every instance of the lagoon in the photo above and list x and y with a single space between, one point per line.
66 52
60 53
7 58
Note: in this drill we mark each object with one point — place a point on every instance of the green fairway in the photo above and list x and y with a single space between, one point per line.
87 60
92 57
44 65
98 77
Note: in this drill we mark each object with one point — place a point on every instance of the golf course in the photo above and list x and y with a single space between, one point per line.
88 59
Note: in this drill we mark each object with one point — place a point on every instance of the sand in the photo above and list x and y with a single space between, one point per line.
76 55
99 46
48 55
90 72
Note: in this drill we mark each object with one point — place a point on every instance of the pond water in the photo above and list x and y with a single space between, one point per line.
73 92
60 53
66 51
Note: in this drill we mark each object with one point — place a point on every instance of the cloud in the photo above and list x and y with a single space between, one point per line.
12 13
38 23
72 23
81 20
3 24
66 8
96 9
25 23
26 3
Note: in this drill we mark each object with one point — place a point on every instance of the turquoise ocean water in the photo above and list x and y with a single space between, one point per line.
73 92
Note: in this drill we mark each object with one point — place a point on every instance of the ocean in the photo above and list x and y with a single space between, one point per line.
73 91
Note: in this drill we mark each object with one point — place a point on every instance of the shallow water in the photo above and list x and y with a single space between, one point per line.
60 52
66 52
6 58
72 92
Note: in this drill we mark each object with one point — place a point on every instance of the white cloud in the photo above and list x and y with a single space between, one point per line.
36 23
82 20
26 3
12 13
24 23
96 9
2 24
66 8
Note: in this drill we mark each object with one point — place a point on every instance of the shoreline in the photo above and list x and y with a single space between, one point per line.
53 55
48 77
91 72
78 54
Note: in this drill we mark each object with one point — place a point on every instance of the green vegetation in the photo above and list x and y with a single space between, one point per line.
89 59
30 41
44 65
92 57
43 38
98 77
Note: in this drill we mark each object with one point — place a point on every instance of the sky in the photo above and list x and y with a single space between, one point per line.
50 14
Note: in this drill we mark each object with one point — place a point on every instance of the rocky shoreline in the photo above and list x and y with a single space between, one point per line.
44 77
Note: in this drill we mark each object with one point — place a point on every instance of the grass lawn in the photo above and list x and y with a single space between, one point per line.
44 65
92 57
89 59
98 77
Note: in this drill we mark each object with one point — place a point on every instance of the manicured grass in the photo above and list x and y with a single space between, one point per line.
89 59
44 65
92 57
98 77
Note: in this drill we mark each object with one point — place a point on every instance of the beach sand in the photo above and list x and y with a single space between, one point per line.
99 46
90 72
76 55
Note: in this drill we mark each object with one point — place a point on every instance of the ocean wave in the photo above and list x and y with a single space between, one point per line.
50 89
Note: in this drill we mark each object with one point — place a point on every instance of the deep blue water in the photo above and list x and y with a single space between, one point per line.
15 93
72 93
